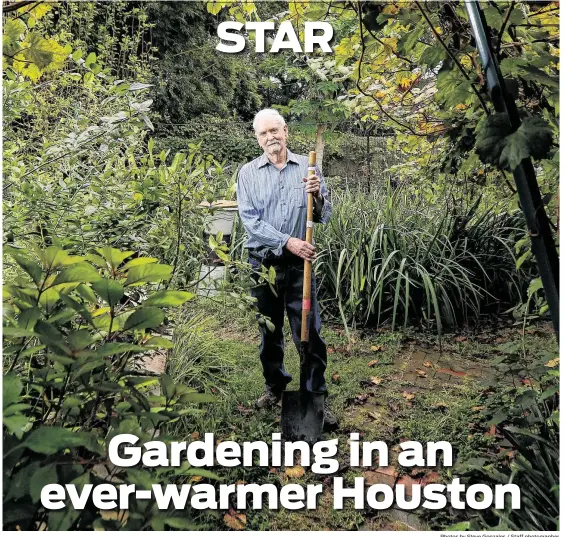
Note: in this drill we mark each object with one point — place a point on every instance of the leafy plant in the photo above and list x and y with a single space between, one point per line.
526 415
77 330
393 256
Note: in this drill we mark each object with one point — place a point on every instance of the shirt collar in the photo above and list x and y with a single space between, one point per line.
290 157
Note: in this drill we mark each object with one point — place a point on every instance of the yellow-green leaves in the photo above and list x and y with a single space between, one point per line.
168 298
110 291
146 317
153 272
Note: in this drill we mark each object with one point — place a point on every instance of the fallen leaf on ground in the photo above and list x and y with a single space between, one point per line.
477 408
461 338
408 396
361 398
373 363
244 410
376 380
195 435
336 378
451 372
431 477
114 515
235 521
552 363
491 431
441 404
374 416
196 478
377 348
294 471
527 382
387 470
330 349
421 373
427 363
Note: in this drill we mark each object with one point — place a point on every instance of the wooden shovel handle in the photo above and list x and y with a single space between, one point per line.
307 287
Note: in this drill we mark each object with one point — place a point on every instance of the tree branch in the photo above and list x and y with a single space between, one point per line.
14 6
455 60
503 27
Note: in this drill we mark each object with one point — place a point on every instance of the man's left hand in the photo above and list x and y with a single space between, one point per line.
313 185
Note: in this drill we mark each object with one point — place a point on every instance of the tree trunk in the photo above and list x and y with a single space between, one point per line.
320 145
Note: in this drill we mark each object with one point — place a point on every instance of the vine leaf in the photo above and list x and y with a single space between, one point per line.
498 145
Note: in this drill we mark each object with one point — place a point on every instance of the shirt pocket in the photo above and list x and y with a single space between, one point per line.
298 196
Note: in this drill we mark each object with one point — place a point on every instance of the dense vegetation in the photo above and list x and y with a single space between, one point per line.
121 118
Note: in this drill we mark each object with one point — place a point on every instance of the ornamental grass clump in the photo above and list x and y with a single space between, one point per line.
392 256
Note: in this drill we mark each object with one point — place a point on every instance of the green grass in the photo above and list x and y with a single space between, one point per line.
442 408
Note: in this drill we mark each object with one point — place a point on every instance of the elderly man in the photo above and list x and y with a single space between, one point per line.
271 195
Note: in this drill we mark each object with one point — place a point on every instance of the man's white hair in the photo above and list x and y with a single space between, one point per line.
268 113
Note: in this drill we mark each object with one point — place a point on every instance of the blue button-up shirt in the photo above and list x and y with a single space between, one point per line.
272 202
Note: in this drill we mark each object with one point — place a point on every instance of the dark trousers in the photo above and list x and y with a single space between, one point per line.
288 287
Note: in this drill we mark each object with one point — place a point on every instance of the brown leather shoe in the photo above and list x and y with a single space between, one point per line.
268 400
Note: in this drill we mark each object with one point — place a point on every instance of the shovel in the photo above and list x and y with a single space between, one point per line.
302 415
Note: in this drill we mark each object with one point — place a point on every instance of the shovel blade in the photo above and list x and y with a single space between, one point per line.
302 416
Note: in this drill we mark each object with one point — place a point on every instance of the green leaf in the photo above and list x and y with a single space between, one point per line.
139 261
110 349
11 388
90 59
63 519
55 257
19 483
452 88
50 440
13 29
180 523
46 475
197 398
168 298
17 424
81 272
532 139
10 331
535 285
159 343
110 291
498 145
30 266
145 317
114 256
16 409
80 339
28 318
148 273
491 135
86 293
548 393
167 386
49 335
409 39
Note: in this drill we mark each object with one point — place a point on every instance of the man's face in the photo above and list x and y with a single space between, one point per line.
271 135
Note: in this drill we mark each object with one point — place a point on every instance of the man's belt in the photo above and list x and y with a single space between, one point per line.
277 261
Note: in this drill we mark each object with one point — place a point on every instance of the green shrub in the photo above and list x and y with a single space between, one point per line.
526 414
195 359
392 256
75 330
